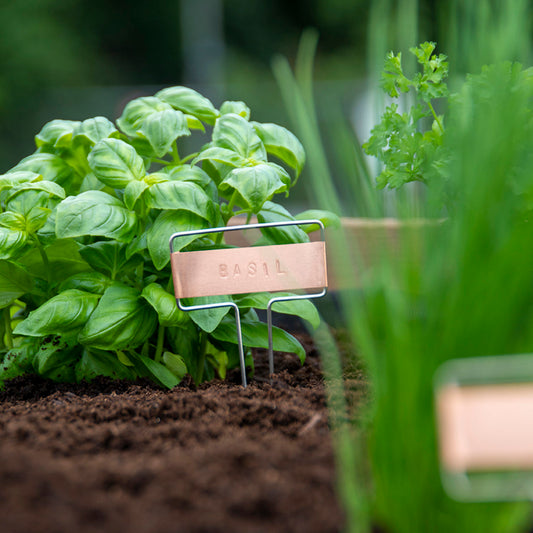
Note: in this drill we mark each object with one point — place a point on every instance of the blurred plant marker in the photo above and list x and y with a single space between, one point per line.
484 407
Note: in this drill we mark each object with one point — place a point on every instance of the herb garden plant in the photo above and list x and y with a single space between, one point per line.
85 281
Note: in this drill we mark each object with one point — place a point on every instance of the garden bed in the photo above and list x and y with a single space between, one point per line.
110 456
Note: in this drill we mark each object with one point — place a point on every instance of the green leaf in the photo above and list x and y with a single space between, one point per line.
281 143
100 363
67 311
56 355
208 319
116 163
133 192
14 282
188 173
256 184
185 341
17 177
50 187
163 128
164 304
220 155
194 124
13 221
95 213
255 335
36 219
110 258
11 242
93 130
235 133
56 134
175 364
63 258
157 372
237 108
190 102
167 223
301 308
181 195
93 282
136 111
52 168
19 360
329 219
121 320
272 212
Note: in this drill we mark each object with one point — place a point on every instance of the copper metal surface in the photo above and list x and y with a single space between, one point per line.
281 267
486 427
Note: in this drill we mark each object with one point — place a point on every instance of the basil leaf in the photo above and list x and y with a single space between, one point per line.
56 134
137 111
93 282
175 364
301 308
181 195
52 168
327 218
208 319
93 130
191 102
220 155
272 212
13 221
167 223
11 242
256 184
159 373
255 334
164 304
133 192
101 363
235 133
110 258
17 177
188 173
238 108
283 144
161 129
121 320
95 213
65 312
64 260
55 356
115 163
14 282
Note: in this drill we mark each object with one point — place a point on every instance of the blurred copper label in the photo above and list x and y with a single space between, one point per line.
486 427
282 267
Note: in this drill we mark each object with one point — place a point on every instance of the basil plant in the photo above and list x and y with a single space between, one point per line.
85 280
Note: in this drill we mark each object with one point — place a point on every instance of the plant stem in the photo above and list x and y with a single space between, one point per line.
44 257
175 154
159 345
9 331
437 119
189 157
249 217
201 360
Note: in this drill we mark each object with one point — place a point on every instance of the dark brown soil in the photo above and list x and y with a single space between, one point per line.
131 458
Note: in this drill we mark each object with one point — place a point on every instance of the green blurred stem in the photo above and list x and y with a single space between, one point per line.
159 345
44 257
249 217
189 157
435 116
9 331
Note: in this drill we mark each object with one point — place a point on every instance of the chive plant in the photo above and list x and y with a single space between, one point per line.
460 286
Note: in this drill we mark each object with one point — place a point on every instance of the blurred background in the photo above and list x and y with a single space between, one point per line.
82 58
